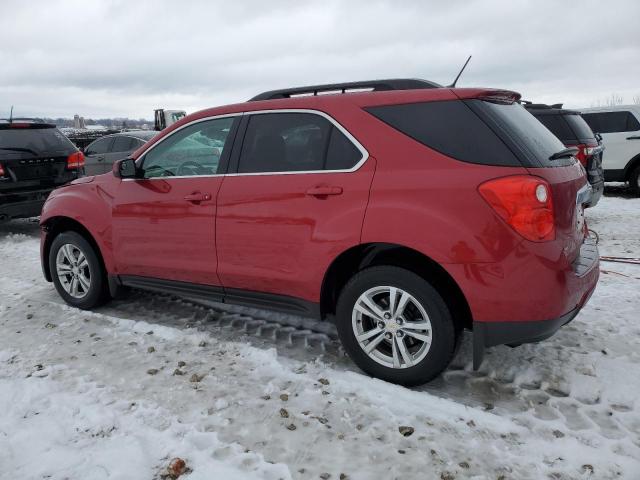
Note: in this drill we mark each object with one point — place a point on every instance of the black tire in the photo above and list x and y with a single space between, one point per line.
634 181
97 292
443 331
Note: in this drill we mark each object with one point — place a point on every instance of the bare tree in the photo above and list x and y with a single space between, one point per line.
636 99
614 100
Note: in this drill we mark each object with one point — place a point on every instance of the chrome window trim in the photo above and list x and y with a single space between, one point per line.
352 139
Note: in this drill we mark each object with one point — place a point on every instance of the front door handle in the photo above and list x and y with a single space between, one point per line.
323 191
197 197
635 137
100 158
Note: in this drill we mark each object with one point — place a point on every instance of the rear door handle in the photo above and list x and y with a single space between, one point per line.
197 197
636 137
323 191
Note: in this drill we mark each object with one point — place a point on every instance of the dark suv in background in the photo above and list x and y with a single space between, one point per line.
35 158
573 131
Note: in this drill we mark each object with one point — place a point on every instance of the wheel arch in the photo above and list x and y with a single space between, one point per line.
630 167
356 258
57 225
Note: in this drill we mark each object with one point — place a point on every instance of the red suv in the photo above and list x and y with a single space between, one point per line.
404 211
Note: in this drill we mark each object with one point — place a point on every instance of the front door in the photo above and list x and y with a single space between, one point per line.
95 155
296 202
164 223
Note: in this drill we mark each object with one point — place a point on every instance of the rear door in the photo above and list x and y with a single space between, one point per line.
620 132
295 202
95 155
164 223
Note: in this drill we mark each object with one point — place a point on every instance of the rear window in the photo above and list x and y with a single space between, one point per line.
580 127
451 128
35 141
557 125
612 122
523 132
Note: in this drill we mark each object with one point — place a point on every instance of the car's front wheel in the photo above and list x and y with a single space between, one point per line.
395 325
76 271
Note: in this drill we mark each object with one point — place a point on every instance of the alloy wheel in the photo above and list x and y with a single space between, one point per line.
392 327
73 271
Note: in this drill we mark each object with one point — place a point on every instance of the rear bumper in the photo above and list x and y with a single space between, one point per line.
581 281
22 204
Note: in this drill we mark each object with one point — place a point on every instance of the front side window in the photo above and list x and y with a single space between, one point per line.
99 147
295 142
192 151
122 144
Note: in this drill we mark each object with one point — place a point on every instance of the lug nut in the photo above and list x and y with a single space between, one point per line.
399 334
387 315
380 324
399 321
387 336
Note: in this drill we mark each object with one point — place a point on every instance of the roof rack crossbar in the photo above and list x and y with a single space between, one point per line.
373 85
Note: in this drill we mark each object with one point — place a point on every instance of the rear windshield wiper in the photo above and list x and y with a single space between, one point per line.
18 149
565 152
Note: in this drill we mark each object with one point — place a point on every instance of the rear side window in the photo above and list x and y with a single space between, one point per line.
451 128
295 142
612 122
36 141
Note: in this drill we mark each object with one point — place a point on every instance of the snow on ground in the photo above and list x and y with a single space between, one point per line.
239 393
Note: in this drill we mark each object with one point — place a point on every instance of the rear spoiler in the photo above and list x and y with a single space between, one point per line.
505 97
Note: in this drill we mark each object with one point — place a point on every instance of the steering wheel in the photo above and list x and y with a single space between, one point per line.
189 167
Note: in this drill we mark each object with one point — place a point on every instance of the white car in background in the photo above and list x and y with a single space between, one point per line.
620 129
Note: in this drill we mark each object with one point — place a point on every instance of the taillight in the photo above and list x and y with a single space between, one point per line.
583 153
524 202
75 161
2 174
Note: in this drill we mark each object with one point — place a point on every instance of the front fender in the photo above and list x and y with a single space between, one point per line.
87 204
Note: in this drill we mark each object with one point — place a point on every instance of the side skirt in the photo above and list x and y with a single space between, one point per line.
211 293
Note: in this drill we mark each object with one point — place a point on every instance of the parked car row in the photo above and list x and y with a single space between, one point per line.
404 211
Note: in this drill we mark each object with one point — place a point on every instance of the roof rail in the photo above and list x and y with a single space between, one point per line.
372 85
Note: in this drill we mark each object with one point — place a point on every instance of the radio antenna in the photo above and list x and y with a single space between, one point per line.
11 115
460 73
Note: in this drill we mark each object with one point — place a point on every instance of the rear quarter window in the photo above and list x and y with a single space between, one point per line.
451 128
557 125
612 122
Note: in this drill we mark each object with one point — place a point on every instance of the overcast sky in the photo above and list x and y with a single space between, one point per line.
125 58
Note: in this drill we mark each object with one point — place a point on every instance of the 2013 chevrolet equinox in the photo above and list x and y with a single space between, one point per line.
402 210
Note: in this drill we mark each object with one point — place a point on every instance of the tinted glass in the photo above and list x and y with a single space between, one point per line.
99 147
35 141
342 154
534 142
612 122
194 150
557 125
451 128
122 144
579 127
294 142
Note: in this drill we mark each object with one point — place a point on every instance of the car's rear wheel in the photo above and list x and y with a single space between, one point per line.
76 271
395 325
634 181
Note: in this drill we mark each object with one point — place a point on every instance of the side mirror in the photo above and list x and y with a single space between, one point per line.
125 168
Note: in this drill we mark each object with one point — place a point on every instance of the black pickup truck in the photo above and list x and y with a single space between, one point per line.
35 158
